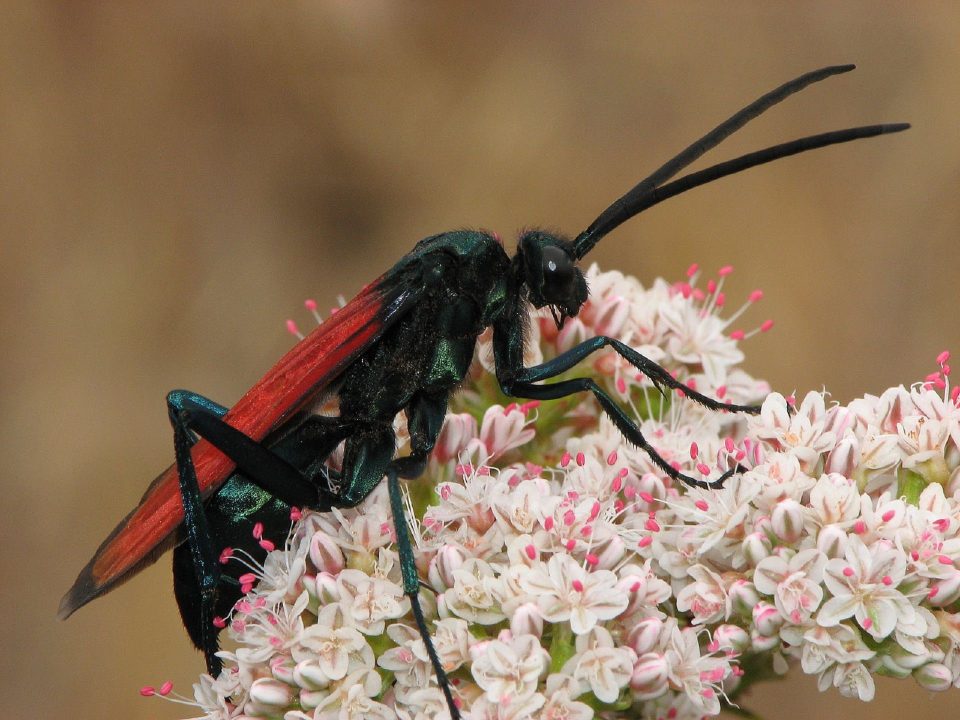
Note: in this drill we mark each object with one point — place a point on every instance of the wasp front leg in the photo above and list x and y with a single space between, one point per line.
520 381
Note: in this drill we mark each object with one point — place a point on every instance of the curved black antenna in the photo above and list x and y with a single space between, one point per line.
644 194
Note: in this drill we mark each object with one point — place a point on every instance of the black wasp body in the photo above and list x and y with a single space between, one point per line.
403 344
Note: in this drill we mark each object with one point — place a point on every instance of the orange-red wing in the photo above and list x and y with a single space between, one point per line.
309 367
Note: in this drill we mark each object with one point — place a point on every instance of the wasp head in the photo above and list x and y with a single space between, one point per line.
549 270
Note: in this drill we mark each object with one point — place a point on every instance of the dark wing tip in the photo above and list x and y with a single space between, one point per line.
83 591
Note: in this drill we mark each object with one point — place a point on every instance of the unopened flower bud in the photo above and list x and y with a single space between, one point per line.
743 596
527 620
731 638
325 554
645 635
269 695
787 520
756 546
612 554
458 430
308 675
767 619
651 485
906 659
892 667
327 590
761 643
843 458
649 677
934 676
832 541
946 590
448 559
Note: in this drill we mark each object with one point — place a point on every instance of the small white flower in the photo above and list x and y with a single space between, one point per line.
565 591
511 668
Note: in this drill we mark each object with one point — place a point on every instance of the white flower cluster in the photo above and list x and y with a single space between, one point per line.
569 578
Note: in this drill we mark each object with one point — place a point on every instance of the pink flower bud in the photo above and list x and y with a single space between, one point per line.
945 590
645 635
787 520
649 677
283 672
270 694
527 620
327 590
652 485
743 596
934 676
325 554
612 554
756 546
762 643
767 619
502 430
308 675
844 457
731 638
458 430
448 559
832 541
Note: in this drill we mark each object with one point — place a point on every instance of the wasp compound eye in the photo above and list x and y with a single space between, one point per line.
557 268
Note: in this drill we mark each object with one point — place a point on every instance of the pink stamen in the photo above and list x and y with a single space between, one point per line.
646 497
725 270
586 531
645 541
887 580
595 510
295 514
565 459
942 524
888 516
617 484
612 458
581 459
943 357
933 592
577 585
737 335
867 623
848 571
570 545
944 560
703 468
225 555
711 286
651 524
548 523
258 530
721 299
766 325
165 688
294 330
531 552
621 386
247 578
592 559
528 406
694 451
219 622
755 296
722 391
618 506
148 691
267 545
702 505
692 270
859 527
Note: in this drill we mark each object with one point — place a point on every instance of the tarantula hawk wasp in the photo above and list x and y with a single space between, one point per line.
404 343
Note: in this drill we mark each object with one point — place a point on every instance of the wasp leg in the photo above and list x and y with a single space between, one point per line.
192 415
658 376
627 427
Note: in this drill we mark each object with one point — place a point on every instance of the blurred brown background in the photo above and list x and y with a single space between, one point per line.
175 178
